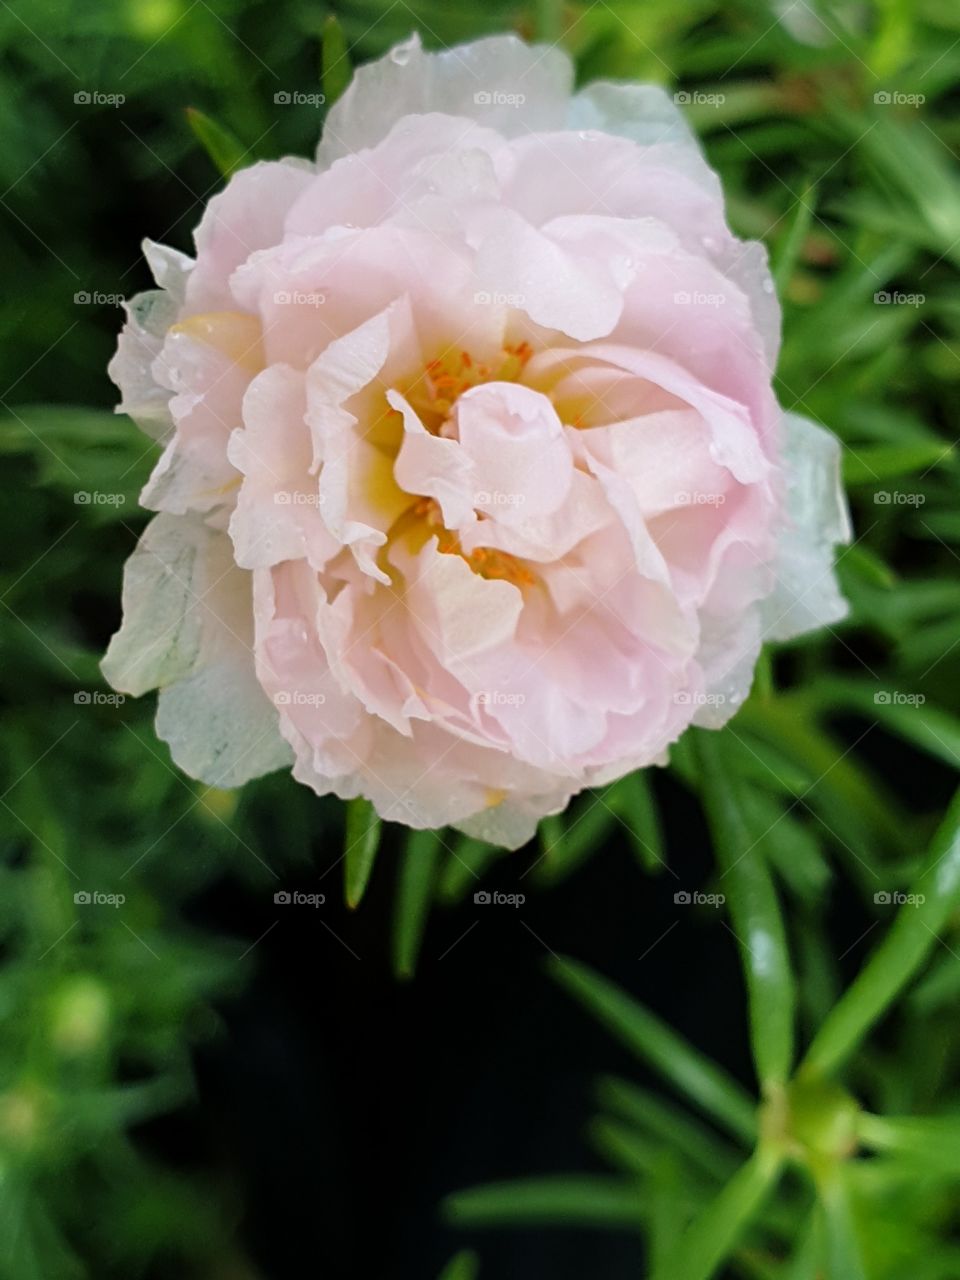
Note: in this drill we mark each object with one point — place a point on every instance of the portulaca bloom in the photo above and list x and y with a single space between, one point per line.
474 491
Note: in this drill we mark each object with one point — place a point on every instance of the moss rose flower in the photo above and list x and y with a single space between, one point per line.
474 490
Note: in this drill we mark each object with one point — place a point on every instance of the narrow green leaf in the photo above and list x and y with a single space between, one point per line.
936 894
669 1213
334 61
667 1124
931 1143
226 151
788 252
564 1200
909 715
568 843
414 892
657 1044
870 464
464 1266
866 564
842 1255
633 802
712 1236
466 862
624 1147
755 911
360 848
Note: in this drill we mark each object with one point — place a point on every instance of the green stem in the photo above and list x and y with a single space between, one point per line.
935 895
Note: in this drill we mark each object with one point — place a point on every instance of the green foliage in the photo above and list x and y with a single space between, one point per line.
843 1166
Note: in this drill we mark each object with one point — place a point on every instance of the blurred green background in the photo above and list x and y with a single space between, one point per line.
193 1083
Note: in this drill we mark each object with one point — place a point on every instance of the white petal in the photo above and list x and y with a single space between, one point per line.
187 628
500 82
806 595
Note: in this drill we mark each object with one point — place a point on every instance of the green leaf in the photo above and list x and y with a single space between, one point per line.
633 802
929 1143
226 151
873 463
568 845
909 715
899 955
657 1044
713 1235
788 253
335 61
563 1200
360 848
414 893
464 1266
842 1254
755 911
668 1125
465 864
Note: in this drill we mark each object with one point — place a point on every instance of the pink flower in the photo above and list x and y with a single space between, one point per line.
474 491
